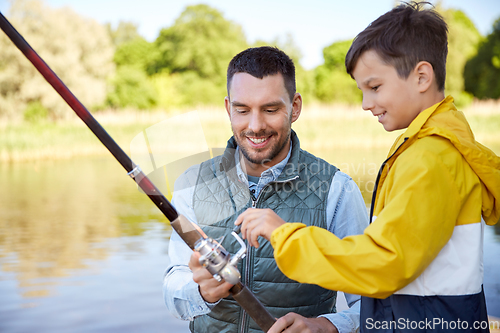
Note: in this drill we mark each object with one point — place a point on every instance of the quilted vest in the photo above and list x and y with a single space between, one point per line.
298 195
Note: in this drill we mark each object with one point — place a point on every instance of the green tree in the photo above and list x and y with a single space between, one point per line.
463 40
137 52
482 72
304 78
130 87
197 49
78 49
201 41
332 83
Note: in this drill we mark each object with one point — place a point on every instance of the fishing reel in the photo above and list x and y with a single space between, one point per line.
218 261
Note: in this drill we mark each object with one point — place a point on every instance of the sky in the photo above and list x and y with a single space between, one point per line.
313 24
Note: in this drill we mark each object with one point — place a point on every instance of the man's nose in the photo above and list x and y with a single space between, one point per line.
257 122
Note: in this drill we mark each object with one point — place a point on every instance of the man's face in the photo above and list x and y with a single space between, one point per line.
395 101
261 116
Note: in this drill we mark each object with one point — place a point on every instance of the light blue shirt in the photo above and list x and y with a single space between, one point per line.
346 215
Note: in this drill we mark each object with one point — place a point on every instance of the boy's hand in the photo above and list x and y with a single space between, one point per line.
210 289
257 222
293 322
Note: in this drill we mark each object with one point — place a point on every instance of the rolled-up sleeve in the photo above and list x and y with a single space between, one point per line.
181 294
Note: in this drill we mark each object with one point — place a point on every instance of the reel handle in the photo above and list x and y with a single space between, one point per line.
191 234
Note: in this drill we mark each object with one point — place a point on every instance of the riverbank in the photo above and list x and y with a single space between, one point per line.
320 127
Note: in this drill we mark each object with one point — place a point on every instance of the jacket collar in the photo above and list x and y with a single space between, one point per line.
443 119
418 123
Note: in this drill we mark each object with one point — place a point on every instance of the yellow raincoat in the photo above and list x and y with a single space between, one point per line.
426 235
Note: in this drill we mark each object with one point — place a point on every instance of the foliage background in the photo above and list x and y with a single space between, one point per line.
117 68
78 49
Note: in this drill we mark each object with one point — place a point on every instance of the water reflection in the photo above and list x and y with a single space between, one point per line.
54 214
82 250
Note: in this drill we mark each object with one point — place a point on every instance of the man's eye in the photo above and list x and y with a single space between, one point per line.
271 110
241 111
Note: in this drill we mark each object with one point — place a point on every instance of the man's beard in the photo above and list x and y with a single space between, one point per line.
274 151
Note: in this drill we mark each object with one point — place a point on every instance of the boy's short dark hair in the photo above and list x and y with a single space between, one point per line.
402 38
263 61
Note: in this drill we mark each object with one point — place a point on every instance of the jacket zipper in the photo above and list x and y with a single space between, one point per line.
250 251
372 206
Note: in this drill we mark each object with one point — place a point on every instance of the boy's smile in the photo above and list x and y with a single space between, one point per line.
395 101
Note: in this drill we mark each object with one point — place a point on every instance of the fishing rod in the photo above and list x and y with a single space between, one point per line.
214 257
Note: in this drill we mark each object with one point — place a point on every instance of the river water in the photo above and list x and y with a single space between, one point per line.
82 250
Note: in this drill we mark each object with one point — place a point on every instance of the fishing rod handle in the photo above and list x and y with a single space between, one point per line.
191 234
247 300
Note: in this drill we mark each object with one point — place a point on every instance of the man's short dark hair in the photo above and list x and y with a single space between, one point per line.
402 38
263 61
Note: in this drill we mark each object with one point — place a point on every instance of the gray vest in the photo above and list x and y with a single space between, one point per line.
299 195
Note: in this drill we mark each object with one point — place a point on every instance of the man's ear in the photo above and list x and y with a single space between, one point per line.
227 104
425 74
296 106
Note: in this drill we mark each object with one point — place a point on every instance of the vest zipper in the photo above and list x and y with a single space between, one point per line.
372 206
247 268
250 249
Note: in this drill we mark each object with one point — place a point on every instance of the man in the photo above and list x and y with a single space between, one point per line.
263 167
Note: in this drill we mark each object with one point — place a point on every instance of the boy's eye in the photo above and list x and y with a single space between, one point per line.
241 111
375 88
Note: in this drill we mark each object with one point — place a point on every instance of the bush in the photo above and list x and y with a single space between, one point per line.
35 112
130 87
482 72
332 82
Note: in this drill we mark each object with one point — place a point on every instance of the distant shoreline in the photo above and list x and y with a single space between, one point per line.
319 127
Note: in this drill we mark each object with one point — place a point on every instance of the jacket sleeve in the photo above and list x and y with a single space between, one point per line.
420 212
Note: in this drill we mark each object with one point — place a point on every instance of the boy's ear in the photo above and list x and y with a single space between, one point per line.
425 74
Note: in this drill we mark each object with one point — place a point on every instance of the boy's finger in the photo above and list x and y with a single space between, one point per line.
249 212
254 237
248 226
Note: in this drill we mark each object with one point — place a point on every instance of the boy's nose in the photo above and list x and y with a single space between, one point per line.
367 104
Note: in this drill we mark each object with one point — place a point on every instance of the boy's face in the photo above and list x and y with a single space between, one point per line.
395 101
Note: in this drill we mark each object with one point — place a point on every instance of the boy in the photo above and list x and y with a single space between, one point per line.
419 264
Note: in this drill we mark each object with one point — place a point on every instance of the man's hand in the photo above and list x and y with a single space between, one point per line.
210 289
293 322
258 222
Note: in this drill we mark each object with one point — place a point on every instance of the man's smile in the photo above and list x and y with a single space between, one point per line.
258 142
